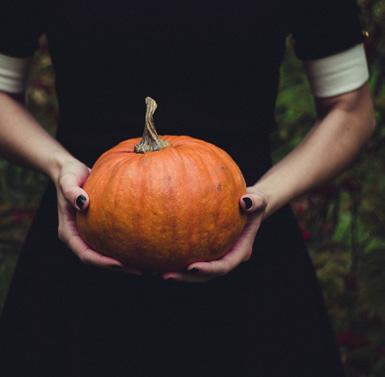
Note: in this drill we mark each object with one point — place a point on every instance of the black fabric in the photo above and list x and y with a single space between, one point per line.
21 25
323 28
266 318
213 67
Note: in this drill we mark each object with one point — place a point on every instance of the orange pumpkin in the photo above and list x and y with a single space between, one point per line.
163 203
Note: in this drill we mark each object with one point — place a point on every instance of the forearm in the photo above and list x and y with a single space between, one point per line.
24 141
329 147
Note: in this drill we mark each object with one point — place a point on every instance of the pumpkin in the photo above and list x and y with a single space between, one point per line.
161 203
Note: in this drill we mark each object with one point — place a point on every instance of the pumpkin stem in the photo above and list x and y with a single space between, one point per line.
150 141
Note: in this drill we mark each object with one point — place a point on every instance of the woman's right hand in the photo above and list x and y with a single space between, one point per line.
23 139
71 198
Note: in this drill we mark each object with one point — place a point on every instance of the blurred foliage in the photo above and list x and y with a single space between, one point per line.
342 222
20 187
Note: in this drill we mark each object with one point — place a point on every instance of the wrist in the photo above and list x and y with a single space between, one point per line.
56 164
255 191
272 201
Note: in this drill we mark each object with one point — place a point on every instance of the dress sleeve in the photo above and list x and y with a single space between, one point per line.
328 38
338 73
13 73
21 25
322 28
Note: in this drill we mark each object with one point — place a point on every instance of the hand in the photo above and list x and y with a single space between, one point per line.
241 251
71 197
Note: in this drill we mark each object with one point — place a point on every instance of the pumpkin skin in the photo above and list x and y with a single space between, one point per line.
164 209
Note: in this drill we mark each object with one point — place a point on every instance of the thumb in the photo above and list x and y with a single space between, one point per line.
253 201
73 193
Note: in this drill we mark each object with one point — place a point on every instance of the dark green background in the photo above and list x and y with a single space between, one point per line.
343 222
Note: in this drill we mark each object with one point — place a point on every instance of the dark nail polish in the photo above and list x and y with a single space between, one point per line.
248 202
80 200
116 268
194 270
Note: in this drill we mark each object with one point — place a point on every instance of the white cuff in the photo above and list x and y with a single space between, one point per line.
13 73
339 73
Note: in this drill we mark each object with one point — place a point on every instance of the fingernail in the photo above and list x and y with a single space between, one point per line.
80 201
248 202
193 270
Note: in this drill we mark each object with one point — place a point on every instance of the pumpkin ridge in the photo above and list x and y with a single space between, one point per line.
138 207
221 202
109 201
234 173
187 178
218 203
198 161
192 216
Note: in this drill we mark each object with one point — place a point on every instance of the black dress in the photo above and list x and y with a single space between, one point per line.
213 68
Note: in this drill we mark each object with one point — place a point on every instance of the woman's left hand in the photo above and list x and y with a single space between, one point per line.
254 204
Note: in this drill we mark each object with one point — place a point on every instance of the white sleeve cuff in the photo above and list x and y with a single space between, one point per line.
13 73
339 73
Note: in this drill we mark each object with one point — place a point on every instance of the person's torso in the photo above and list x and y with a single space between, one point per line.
213 68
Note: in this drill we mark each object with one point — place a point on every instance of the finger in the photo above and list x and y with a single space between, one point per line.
239 253
69 234
92 257
251 227
221 266
69 231
89 256
72 191
253 201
